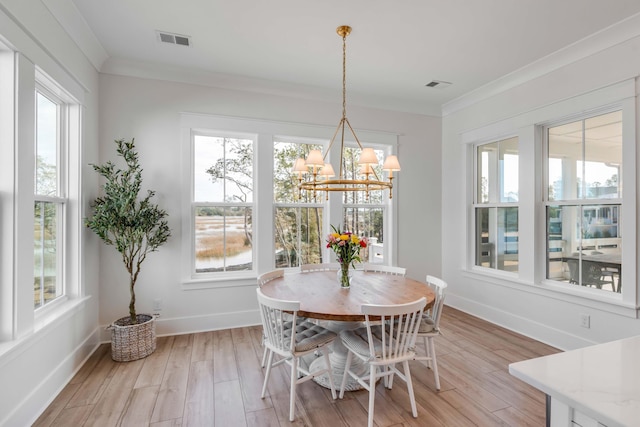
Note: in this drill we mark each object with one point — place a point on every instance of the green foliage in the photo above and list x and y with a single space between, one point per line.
297 229
134 226
210 211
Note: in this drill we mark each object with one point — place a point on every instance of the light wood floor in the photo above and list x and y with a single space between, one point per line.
215 379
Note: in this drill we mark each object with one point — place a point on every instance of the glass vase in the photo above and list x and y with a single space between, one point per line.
344 276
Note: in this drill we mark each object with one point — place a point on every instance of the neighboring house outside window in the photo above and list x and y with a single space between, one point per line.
584 223
496 205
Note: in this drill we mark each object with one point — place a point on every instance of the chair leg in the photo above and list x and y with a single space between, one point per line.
264 355
266 375
389 383
412 397
434 362
347 365
372 392
294 382
427 351
385 378
325 352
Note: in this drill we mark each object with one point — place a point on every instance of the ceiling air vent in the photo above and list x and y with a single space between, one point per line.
174 38
438 84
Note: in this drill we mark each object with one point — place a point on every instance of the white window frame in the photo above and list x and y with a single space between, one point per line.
628 245
20 317
60 198
389 205
532 216
68 198
196 204
319 203
491 204
266 131
386 204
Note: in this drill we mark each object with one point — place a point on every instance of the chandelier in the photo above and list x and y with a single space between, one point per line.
316 175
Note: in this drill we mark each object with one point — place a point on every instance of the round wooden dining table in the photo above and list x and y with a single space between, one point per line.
321 297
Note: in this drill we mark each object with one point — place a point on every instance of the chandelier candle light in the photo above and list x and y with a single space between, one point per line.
347 246
315 174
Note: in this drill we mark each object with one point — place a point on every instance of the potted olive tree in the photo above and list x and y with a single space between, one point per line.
135 227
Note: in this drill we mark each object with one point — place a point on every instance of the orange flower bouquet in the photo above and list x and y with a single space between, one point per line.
347 246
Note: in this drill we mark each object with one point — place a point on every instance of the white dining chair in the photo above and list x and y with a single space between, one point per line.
290 340
326 266
262 279
430 326
265 278
382 345
387 269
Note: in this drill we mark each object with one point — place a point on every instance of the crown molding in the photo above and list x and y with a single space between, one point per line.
147 70
71 20
597 42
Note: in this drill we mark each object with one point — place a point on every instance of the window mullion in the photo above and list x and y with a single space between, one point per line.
496 205
583 229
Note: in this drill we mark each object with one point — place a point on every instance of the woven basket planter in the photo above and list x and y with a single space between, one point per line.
132 342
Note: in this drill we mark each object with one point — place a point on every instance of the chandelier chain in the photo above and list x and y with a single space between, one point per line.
321 181
344 76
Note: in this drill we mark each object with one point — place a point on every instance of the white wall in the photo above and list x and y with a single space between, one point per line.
149 110
40 358
36 366
523 305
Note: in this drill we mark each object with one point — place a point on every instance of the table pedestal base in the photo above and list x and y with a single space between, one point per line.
338 359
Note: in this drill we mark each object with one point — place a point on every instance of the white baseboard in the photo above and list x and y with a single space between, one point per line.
192 324
41 396
524 326
535 330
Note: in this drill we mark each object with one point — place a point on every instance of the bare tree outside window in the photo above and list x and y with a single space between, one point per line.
223 198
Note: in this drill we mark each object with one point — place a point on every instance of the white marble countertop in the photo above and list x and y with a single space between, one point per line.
601 381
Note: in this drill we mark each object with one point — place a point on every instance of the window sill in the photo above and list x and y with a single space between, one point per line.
609 301
493 272
43 322
219 282
576 295
58 310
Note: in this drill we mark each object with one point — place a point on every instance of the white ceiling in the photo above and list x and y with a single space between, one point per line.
395 48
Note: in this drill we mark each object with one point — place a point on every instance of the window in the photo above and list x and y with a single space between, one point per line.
365 215
299 238
298 223
584 201
496 205
368 222
222 204
234 166
49 197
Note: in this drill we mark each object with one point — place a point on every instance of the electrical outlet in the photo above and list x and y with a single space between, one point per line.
585 321
157 305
